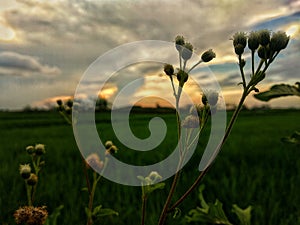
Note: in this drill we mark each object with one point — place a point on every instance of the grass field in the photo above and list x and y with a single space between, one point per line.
254 168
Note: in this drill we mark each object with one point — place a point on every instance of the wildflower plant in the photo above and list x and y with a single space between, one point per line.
29 174
29 214
91 164
263 45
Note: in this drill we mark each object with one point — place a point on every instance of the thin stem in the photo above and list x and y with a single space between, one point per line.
252 60
202 174
144 200
91 199
163 215
260 65
173 87
193 67
184 64
86 176
242 71
180 60
28 190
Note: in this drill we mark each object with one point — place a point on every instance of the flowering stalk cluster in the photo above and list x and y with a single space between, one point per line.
31 176
185 51
266 45
97 166
65 109
197 117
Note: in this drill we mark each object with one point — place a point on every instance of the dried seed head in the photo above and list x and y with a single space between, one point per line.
169 69
25 171
208 55
32 180
31 215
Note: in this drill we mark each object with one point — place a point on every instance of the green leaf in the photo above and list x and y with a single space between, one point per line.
212 213
84 189
52 219
88 212
153 187
293 139
100 212
279 90
244 215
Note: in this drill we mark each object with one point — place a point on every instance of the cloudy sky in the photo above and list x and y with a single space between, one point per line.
47 45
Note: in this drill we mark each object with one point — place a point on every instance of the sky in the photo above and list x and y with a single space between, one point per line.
46 46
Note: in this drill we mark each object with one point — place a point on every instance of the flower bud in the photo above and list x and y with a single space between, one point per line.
112 150
208 55
240 38
108 144
179 42
253 40
243 63
239 49
154 177
187 51
94 161
191 121
204 99
182 77
59 102
40 149
70 103
264 37
213 98
25 171
279 41
69 111
264 52
169 69
30 150
32 180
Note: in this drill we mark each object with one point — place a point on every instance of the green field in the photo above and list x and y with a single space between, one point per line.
254 168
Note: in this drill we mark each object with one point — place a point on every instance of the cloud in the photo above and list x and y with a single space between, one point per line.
71 34
12 63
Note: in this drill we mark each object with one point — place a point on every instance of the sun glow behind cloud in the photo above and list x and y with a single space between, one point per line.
6 34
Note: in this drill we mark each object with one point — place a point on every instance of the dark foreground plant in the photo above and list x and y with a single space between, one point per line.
263 45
